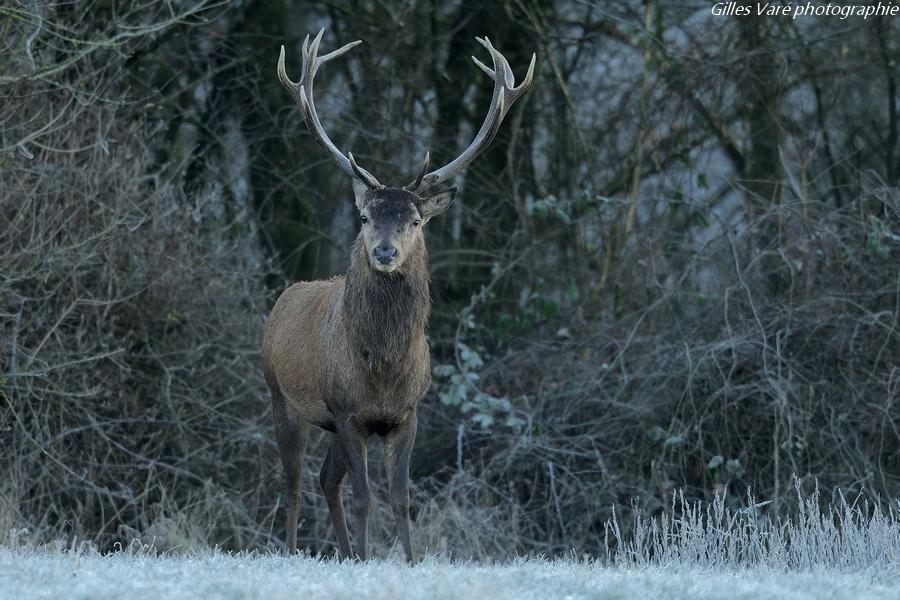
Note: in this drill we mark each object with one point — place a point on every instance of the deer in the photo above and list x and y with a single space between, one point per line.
349 355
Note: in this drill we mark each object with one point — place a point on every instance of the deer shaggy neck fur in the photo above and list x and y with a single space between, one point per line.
383 312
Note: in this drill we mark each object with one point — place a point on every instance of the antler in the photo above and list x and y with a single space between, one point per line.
302 92
505 95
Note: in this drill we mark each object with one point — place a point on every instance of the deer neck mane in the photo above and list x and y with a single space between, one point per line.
384 312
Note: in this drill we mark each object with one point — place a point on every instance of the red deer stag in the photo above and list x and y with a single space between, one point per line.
349 354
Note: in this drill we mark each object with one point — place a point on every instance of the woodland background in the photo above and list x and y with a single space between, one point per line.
676 267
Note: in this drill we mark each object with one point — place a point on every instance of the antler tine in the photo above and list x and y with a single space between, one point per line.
418 180
509 80
362 174
302 93
504 96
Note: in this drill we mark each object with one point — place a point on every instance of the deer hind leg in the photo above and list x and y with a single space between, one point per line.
291 433
330 478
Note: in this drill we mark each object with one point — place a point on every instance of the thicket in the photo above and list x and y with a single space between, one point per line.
676 269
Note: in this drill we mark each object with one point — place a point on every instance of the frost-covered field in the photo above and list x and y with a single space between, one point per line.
37 574
850 550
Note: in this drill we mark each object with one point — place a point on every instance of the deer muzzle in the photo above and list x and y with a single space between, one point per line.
384 255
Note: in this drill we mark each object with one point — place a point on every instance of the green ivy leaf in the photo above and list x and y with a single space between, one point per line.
547 307
572 292
485 421
443 370
656 433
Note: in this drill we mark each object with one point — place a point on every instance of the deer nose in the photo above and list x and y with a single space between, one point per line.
385 254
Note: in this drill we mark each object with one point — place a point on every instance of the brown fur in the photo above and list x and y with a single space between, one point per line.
350 356
329 344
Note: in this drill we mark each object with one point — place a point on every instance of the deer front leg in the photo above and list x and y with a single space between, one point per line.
330 478
351 439
398 446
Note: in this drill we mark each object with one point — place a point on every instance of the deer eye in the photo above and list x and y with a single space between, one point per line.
416 223
364 219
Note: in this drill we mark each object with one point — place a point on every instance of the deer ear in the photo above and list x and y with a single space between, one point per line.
361 192
435 205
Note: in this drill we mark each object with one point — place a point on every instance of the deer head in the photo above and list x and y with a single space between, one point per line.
392 217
